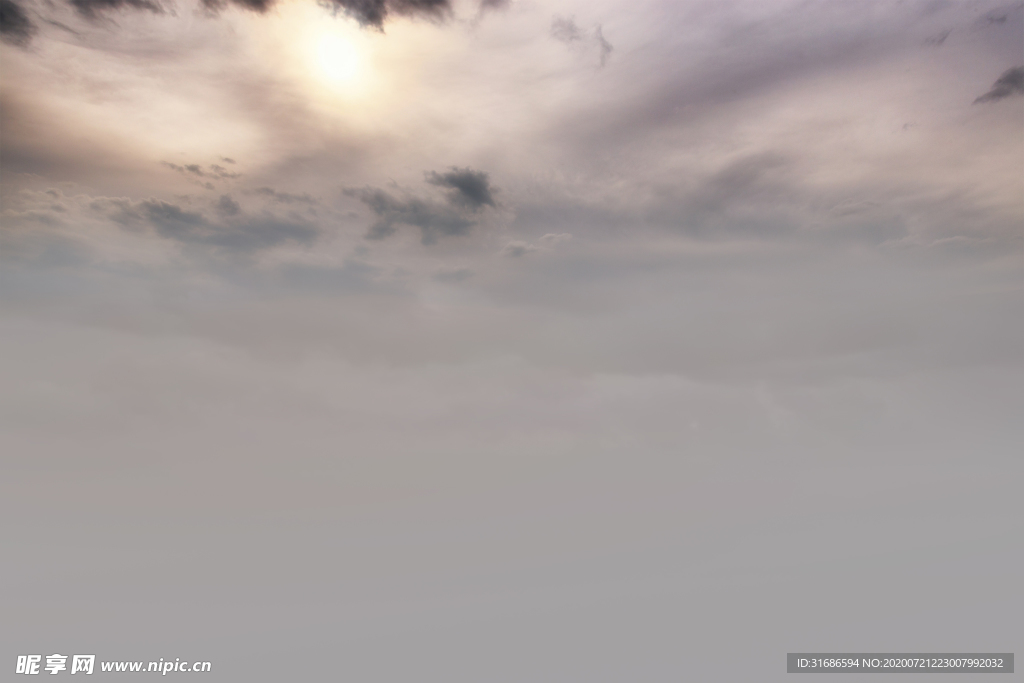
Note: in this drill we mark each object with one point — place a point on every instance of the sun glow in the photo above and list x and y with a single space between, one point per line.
337 59
328 61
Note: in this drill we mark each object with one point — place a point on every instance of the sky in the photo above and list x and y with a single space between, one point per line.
459 341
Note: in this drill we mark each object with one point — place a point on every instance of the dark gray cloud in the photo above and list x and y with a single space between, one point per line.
228 206
939 38
90 8
435 8
1009 84
194 169
15 26
171 221
564 29
469 188
235 232
284 197
375 12
468 193
18 29
432 218
367 12
221 172
214 171
997 16
259 6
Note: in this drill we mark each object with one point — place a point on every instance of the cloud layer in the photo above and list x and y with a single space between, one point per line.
16 27
425 328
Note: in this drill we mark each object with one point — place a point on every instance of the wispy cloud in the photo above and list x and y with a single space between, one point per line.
15 26
1010 83
565 30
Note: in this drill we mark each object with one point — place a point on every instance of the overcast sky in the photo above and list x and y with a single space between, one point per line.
417 340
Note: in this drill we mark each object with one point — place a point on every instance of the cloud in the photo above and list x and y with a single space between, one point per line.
471 189
228 206
565 30
432 218
375 12
221 172
284 197
552 238
468 193
996 17
258 6
372 13
750 57
939 38
236 231
1009 84
89 8
15 26
171 221
604 47
494 4
518 248
215 171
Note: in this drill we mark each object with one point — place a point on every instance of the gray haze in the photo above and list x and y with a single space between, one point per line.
459 342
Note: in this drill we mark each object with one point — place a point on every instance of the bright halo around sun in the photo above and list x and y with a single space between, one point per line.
337 60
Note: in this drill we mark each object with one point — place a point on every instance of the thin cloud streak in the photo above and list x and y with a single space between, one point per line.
1007 85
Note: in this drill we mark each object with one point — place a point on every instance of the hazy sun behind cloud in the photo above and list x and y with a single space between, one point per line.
337 59
325 59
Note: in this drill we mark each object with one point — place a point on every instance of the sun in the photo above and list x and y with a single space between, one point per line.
333 62
336 59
